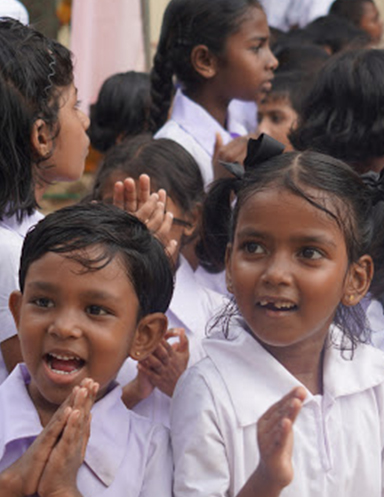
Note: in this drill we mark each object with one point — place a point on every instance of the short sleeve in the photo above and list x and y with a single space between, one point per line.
159 469
200 460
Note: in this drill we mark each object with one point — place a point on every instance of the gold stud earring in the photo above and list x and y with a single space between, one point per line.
351 298
137 353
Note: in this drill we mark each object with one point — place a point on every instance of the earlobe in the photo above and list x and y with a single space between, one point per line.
358 281
149 333
41 138
228 275
14 304
203 61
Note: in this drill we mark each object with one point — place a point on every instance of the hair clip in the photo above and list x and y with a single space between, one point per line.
375 185
52 65
258 151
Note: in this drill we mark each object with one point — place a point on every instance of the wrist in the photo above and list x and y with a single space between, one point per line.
10 484
132 394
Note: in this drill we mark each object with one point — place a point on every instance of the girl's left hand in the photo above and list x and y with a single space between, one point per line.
168 362
60 473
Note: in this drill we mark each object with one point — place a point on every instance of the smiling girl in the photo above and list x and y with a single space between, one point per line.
290 347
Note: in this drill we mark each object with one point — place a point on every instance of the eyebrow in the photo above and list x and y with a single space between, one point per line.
306 239
89 294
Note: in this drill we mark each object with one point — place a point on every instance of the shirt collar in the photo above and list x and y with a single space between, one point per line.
107 444
195 120
21 228
250 373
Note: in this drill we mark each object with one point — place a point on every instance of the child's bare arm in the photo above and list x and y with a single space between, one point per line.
168 362
60 472
136 390
275 439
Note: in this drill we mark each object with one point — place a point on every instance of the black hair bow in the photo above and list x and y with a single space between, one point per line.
375 185
258 151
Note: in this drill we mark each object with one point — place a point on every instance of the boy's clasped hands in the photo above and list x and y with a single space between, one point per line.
49 467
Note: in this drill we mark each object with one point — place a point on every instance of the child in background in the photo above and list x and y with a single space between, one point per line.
121 110
94 288
362 13
149 385
278 111
290 349
343 114
42 140
218 51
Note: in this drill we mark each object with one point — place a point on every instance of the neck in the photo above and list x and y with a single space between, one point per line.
304 361
207 98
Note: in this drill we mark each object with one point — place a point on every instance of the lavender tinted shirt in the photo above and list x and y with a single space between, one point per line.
127 455
195 129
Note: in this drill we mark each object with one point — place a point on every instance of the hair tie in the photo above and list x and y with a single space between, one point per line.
374 182
258 151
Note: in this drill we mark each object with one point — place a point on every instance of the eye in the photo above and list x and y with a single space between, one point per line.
276 117
311 253
96 310
44 302
253 248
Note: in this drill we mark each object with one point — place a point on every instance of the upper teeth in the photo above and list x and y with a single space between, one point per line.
65 358
279 305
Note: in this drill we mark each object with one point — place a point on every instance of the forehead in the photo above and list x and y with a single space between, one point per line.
251 26
277 207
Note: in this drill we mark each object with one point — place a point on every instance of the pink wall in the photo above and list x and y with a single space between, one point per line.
106 38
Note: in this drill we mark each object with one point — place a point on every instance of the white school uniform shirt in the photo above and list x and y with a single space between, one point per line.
375 316
338 437
283 14
191 308
126 454
12 234
195 129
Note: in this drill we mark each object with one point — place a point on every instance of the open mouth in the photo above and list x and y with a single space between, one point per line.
64 364
277 306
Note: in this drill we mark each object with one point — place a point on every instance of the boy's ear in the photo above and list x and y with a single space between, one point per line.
150 331
228 274
14 304
41 138
358 280
203 61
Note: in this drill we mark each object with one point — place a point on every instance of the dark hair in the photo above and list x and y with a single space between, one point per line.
306 58
166 162
299 173
352 10
33 71
72 230
187 23
292 85
121 109
343 114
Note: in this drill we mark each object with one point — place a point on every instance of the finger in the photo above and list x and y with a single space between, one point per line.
153 363
164 229
283 406
183 342
144 190
155 221
173 332
217 147
145 212
162 195
118 195
162 352
171 248
130 195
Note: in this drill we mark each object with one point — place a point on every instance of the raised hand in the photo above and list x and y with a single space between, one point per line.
168 362
149 208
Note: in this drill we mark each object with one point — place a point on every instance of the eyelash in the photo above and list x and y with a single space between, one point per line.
102 311
318 252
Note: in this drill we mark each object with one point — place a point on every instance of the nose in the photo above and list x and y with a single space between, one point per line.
65 325
84 120
263 127
278 271
272 62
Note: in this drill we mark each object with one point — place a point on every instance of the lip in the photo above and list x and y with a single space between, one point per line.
62 378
